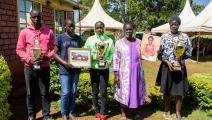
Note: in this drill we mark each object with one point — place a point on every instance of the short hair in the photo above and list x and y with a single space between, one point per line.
69 20
176 18
151 37
129 23
35 10
100 23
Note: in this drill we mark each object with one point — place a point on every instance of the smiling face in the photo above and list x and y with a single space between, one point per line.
174 26
128 30
99 28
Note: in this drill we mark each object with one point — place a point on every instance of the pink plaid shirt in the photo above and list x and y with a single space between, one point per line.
25 44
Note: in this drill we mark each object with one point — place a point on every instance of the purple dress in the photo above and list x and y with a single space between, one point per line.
126 61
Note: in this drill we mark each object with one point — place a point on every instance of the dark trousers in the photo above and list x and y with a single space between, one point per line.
43 78
99 81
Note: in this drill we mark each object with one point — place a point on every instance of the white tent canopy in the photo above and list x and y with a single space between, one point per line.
98 14
202 23
186 16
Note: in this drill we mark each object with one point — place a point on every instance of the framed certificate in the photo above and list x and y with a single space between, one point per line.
79 57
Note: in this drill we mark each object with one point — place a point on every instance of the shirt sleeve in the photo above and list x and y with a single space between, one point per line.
21 48
188 51
161 55
51 45
88 45
110 54
116 58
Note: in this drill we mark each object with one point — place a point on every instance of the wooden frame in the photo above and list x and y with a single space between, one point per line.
79 57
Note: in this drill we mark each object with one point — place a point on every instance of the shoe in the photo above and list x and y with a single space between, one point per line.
47 119
98 116
103 117
31 118
167 116
73 117
64 117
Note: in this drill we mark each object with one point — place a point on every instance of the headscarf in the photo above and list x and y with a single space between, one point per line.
96 34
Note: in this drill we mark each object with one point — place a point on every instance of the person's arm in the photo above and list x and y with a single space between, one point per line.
88 44
116 64
60 60
188 51
51 46
161 56
21 49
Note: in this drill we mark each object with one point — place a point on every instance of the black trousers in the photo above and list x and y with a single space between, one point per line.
43 78
99 81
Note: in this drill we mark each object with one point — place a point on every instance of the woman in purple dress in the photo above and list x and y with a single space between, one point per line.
129 78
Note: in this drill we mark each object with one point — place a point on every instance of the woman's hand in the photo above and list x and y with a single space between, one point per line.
171 67
68 66
117 80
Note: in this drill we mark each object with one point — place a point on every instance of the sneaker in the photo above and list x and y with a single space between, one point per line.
103 117
98 116
167 116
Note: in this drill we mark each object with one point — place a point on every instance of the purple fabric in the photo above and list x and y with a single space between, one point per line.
136 96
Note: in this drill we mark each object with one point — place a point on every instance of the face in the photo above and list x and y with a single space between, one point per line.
174 26
150 40
70 27
35 17
99 28
128 31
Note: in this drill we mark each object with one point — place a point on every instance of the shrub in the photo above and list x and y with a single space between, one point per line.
84 89
201 90
54 74
5 87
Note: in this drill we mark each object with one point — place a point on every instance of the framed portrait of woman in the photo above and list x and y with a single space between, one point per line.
149 47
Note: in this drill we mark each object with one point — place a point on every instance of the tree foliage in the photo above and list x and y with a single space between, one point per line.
146 14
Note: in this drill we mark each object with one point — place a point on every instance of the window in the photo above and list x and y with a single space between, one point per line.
24 8
60 17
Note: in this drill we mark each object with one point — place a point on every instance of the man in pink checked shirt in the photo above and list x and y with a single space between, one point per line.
36 35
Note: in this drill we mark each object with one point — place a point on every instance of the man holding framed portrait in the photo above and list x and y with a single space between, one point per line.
69 75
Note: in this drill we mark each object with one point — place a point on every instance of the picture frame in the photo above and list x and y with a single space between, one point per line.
79 57
149 47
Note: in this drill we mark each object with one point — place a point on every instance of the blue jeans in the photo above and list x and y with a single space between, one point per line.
68 92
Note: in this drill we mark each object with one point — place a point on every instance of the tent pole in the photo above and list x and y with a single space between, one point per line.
198 48
79 18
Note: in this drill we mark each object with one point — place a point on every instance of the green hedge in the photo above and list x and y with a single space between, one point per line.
84 85
84 89
200 92
5 87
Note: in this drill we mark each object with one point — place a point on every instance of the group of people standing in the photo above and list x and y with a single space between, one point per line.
124 57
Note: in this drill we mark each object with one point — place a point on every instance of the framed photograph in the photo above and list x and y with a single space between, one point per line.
149 47
79 57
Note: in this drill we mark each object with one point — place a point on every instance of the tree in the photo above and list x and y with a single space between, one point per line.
146 14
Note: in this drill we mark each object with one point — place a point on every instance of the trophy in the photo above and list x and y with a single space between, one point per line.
36 53
102 47
178 51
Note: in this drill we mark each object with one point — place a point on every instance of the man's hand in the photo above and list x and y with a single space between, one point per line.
32 60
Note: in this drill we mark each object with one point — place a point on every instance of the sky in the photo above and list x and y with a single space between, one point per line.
202 2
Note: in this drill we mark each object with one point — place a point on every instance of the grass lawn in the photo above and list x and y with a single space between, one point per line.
149 111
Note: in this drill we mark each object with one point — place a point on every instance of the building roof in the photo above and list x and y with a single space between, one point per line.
202 22
98 14
186 16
